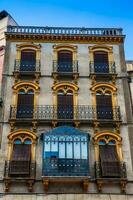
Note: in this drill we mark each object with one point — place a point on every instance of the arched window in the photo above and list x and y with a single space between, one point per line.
20 158
25 104
65 61
28 60
101 63
65 105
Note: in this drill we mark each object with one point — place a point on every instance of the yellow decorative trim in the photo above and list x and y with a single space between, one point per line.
22 134
22 84
13 135
111 136
24 46
101 48
26 86
65 86
109 86
68 47
105 48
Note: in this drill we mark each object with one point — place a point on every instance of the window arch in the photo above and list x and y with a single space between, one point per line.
65 58
104 99
25 98
21 152
28 56
65 98
108 153
101 59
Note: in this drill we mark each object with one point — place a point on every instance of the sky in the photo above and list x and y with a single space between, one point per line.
75 13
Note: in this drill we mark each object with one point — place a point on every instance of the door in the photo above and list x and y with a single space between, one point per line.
101 63
104 106
65 61
28 60
25 105
65 106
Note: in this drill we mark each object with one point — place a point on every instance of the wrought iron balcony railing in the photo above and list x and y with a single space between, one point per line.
27 66
63 113
64 31
102 68
111 169
65 67
65 167
20 169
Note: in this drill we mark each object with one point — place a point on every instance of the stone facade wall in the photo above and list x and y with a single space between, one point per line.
46 98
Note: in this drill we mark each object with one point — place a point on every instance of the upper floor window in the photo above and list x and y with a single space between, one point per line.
65 61
101 63
28 60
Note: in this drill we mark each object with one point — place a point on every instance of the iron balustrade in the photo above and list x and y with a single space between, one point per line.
102 68
80 112
27 66
20 169
65 167
65 67
64 30
113 169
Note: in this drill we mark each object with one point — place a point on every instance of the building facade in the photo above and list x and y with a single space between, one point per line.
67 115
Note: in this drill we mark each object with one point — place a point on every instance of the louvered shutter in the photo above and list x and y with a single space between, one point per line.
65 61
28 60
101 63
104 107
25 105
110 164
65 106
20 161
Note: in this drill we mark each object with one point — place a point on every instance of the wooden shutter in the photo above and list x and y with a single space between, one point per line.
25 105
101 62
65 106
20 161
65 61
110 164
28 60
104 107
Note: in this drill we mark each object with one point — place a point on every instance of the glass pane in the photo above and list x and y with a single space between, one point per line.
61 149
17 141
84 150
112 142
76 150
47 146
69 153
54 146
102 142
27 141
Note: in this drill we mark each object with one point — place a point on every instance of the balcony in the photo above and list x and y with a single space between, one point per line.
111 172
103 70
65 69
65 114
27 68
64 31
19 171
65 167
80 34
